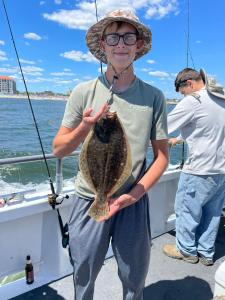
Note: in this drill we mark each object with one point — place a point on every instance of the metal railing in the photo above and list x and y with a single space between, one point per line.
34 158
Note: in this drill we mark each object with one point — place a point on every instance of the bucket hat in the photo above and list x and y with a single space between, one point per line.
212 85
95 32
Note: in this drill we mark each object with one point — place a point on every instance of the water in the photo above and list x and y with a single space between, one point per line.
18 137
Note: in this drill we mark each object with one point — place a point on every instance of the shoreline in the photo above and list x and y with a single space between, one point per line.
54 98
32 97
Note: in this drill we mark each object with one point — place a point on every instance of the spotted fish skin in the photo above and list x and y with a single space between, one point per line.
105 162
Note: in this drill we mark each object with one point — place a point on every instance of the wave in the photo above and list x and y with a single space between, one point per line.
15 187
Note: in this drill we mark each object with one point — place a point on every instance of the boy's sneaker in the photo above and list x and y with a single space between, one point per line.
172 251
206 261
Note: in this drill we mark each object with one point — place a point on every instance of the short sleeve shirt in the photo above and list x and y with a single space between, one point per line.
141 109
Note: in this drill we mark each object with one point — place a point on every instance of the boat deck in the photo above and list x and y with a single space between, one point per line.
168 279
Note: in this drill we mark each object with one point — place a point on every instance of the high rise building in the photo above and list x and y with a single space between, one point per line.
7 85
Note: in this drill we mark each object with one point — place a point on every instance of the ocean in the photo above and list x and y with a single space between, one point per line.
18 137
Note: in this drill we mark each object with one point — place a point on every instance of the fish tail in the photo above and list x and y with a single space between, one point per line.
98 210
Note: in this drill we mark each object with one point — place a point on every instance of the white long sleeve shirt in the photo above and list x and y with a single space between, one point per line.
202 124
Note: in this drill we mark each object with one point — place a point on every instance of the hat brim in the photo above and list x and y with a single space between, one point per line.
95 32
213 90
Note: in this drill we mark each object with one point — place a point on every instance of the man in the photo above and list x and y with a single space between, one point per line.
117 40
201 190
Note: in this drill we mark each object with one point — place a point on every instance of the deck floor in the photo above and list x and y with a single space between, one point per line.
168 279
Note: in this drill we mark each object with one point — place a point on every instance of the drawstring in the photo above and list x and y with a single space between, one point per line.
115 78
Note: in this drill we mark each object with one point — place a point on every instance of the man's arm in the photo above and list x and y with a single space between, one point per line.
181 115
160 150
68 139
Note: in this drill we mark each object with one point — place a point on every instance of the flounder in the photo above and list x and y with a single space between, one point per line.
105 162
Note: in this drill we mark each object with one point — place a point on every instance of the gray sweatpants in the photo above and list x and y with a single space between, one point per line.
129 231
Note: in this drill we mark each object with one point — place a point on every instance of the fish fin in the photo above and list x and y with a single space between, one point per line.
98 210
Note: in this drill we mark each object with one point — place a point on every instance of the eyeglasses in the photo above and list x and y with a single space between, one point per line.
181 83
129 38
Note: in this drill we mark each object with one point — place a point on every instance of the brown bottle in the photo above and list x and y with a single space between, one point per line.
29 271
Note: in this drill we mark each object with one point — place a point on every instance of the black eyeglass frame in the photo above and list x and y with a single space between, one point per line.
181 84
123 36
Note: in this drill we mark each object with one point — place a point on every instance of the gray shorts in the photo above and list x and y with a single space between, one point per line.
129 233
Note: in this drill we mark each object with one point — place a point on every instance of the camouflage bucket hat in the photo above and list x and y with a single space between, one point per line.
95 32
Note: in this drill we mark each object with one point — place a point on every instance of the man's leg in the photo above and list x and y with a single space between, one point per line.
188 215
208 227
88 242
131 242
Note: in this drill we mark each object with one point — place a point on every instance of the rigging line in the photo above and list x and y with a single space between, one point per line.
189 51
188 33
96 14
28 96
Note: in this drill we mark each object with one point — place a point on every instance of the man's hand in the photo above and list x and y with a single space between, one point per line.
173 141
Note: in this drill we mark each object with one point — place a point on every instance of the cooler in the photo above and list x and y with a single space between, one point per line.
219 289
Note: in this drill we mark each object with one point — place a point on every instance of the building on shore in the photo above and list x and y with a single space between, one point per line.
7 85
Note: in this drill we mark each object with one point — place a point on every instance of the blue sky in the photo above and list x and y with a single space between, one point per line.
50 37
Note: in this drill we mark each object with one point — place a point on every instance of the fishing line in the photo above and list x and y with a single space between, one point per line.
28 96
51 197
96 14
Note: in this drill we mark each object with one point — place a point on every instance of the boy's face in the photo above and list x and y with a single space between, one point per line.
122 54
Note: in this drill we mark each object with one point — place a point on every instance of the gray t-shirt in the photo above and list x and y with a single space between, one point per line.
201 120
141 109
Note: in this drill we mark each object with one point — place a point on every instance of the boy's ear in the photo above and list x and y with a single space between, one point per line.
102 45
140 44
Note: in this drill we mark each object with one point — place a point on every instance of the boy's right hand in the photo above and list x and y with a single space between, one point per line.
90 120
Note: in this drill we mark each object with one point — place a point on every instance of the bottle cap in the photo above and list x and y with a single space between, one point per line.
28 257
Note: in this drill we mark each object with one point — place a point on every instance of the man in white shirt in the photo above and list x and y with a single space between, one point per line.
200 117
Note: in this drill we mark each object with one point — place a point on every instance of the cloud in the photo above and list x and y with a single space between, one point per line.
29 62
160 74
104 68
8 70
145 70
79 56
2 43
32 36
58 2
62 74
150 61
33 71
159 9
3 56
83 16
42 2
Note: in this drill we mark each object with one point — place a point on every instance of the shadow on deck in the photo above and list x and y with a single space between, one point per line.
168 279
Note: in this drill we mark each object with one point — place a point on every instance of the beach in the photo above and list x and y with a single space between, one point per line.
34 97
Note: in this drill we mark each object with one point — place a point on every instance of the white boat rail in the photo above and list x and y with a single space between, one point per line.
30 227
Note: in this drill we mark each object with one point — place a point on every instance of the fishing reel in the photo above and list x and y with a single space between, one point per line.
54 199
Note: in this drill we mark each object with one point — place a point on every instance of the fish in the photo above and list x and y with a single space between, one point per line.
105 162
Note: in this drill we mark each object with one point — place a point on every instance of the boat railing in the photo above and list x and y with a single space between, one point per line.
39 157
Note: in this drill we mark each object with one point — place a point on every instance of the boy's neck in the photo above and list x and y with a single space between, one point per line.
125 79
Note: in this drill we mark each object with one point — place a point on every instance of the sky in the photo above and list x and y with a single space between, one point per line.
50 39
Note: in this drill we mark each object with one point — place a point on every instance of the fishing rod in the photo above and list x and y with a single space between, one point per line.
188 52
52 197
